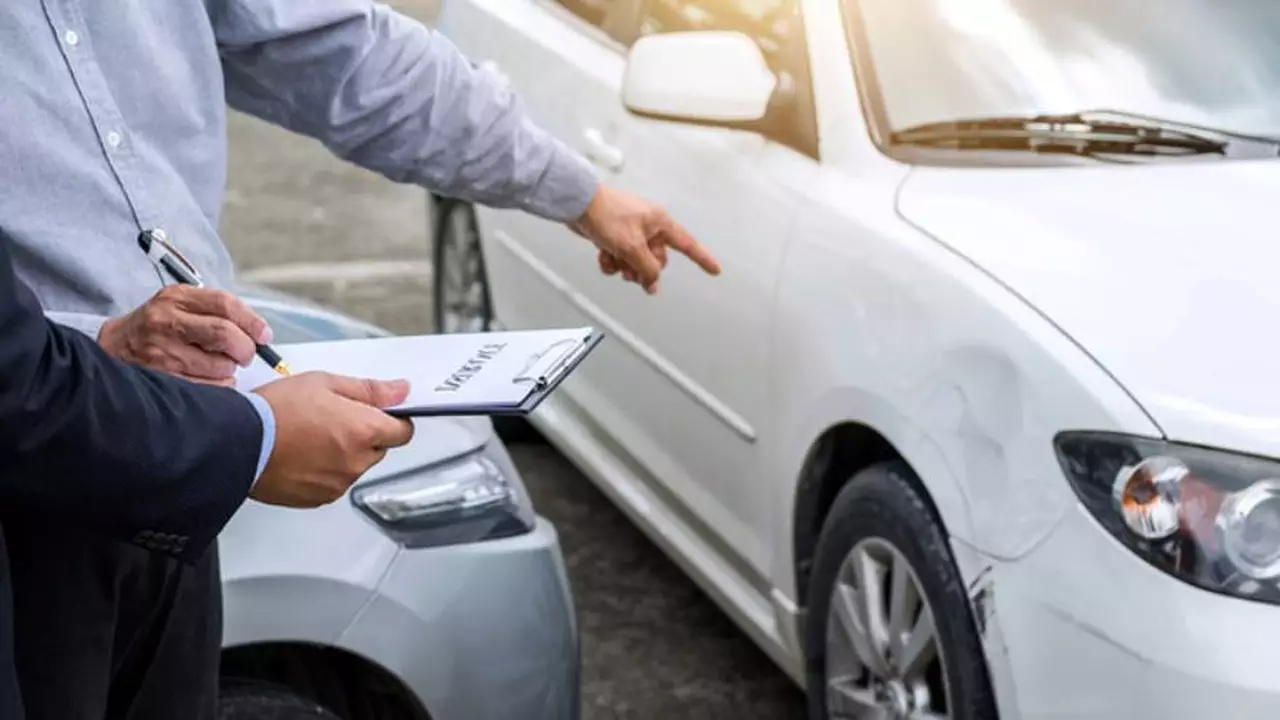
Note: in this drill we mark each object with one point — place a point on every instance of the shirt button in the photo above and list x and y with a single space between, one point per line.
113 139
72 38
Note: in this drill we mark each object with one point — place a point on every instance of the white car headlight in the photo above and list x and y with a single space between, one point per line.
1209 517
467 499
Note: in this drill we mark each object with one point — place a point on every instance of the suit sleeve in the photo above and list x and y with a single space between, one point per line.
128 452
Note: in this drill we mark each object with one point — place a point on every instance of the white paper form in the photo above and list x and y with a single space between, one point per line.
499 369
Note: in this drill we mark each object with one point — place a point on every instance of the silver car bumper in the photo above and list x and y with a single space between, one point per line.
478 632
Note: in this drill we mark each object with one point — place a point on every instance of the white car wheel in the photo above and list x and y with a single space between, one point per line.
891 635
460 289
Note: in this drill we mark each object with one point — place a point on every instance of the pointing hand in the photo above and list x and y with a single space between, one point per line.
633 236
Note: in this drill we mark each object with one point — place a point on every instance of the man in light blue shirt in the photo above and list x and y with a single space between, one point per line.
114 123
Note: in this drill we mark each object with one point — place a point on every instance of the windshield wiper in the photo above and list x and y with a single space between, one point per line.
1084 133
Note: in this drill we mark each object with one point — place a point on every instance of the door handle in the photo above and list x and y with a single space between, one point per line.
600 152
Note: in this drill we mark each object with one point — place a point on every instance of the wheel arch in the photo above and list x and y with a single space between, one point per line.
348 684
839 452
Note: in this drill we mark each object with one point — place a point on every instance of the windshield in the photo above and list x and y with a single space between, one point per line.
1206 62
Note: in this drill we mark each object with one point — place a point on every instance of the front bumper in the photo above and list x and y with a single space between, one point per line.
484 631
1082 628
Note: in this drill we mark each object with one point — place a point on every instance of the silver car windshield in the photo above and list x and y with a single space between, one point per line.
1205 62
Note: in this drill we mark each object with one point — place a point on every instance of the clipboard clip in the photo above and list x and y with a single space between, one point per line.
543 366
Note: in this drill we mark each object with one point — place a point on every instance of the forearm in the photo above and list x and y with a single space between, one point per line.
385 92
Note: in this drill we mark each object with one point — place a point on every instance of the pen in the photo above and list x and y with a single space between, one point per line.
154 244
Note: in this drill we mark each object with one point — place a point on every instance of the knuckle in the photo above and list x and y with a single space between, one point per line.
227 304
154 357
368 435
153 314
228 337
222 330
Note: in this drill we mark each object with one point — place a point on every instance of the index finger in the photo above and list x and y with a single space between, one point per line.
223 304
680 239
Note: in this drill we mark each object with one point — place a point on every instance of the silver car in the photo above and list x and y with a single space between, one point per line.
431 591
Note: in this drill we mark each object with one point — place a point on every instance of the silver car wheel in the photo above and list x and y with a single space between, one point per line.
463 292
882 643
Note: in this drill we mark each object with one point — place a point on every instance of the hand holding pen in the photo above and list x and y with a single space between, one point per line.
158 248
186 329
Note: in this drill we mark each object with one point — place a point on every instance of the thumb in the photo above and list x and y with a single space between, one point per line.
378 393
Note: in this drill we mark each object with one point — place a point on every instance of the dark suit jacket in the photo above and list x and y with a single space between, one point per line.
89 443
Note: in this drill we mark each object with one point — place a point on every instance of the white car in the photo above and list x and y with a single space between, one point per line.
981 417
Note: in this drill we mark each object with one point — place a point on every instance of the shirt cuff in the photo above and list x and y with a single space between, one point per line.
268 432
567 187
90 325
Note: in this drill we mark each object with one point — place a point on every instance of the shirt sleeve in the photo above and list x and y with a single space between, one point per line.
268 417
384 91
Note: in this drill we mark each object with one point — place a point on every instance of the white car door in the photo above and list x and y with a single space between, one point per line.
680 388
566 68
566 59
705 340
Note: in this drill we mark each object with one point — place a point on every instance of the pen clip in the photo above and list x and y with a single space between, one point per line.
161 250
542 366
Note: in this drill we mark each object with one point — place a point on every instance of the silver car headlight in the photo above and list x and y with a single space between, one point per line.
1209 517
467 499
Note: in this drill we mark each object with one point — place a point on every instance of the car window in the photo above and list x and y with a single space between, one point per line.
770 22
292 327
1204 62
600 13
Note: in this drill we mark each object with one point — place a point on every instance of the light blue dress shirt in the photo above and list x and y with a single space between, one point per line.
268 431
113 120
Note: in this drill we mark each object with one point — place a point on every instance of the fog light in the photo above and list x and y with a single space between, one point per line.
1150 496
1250 523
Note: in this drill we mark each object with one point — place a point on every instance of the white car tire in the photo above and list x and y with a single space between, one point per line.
460 281
881 548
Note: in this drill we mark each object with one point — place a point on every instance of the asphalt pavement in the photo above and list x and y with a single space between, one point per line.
654 646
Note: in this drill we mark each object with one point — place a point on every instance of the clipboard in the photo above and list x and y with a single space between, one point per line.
489 373
543 373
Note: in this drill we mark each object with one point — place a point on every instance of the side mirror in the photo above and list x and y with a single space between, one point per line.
705 77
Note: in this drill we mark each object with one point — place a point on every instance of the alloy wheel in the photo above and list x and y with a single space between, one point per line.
463 292
883 659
